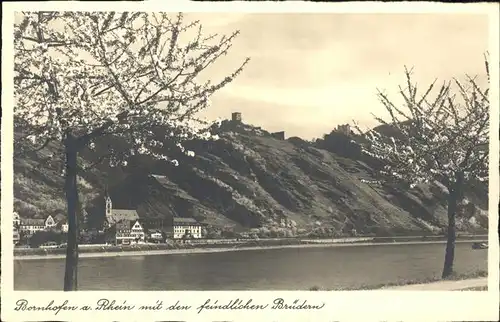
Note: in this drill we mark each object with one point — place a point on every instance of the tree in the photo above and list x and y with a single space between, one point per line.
42 237
443 139
79 76
23 236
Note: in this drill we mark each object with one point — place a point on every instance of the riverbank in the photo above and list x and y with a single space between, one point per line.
472 284
169 249
473 281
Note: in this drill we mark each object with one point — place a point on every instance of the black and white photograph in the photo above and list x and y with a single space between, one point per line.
159 150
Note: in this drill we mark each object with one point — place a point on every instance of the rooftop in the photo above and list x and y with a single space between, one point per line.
182 220
122 214
124 224
32 222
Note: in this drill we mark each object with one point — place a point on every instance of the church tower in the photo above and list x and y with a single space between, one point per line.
109 204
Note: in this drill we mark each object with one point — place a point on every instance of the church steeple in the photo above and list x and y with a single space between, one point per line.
109 204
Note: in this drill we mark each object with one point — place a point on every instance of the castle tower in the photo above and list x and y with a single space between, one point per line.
236 117
344 129
279 135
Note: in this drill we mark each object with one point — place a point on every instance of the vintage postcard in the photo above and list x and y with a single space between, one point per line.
250 161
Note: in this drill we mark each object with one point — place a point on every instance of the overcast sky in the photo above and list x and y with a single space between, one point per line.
311 72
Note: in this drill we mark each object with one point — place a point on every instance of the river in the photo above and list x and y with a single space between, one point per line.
263 269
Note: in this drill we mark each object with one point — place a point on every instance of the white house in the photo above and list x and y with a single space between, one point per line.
50 222
155 235
16 226
31 226
186 228
123 235
16 219
128 232
138 231
124 238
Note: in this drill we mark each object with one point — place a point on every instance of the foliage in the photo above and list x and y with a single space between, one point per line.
41 237
211 232
325 232
228 232
25 209
110 235
23 236
92 237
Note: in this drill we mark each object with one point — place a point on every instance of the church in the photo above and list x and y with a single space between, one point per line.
127 227
124 222
113 216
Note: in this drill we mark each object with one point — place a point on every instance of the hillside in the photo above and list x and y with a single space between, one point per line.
248 179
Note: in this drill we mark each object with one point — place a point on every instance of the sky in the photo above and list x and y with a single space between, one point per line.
311 72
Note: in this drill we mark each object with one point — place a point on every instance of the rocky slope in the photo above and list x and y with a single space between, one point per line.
248 179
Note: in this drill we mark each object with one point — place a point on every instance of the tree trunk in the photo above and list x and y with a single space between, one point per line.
70 274
455 195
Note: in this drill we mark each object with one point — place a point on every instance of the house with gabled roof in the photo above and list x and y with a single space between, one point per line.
50 222
130 231
16 237
32 225
123 232
16 219
139 230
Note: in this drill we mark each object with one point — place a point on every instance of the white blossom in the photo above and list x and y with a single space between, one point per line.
180 147
437 138
85 87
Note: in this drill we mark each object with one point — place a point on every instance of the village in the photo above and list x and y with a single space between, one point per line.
124 226
120 227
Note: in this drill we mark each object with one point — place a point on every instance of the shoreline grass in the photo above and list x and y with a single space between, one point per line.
475 289
454 277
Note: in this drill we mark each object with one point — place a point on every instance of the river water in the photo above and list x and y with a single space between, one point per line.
271 269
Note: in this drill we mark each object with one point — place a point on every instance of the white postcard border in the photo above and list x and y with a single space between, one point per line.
359 305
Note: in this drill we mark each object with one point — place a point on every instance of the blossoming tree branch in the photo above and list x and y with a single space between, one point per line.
438 136
80 76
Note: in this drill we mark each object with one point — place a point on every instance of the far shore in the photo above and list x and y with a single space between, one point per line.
233 248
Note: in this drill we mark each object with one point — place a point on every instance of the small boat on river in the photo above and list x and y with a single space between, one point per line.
479 246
